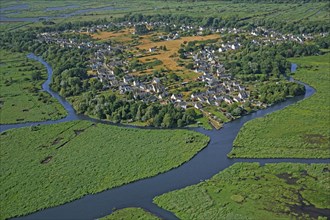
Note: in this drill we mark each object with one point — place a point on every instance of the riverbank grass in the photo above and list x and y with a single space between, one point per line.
130 214
50 165
21 98
298 131
250 191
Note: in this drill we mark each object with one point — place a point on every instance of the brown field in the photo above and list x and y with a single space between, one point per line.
91 73
122 35
169 63
172 46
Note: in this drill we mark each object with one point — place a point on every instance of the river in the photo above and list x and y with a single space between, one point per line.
208 162
19 8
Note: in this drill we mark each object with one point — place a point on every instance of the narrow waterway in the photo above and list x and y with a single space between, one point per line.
19 8
204 165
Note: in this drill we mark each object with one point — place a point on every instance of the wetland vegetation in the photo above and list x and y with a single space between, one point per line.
165 64
250 191
49 165
130 213
298 131
21 97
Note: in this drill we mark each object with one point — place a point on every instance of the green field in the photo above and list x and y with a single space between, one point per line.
53 164
298 131
130 214
289 13
251 191
20 97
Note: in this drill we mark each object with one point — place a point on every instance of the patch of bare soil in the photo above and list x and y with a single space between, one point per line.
315 138
77 132
46 160
57 140
288 178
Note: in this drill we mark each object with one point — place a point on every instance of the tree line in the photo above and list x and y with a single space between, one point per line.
118 110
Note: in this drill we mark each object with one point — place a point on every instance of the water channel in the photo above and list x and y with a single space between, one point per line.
19 8
203 165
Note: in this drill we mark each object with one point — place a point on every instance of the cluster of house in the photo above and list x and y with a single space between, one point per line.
263 35
274 36
178 30
170 36
220 87
148 91
55 37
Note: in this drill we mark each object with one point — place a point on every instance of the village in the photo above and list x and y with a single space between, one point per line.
111 64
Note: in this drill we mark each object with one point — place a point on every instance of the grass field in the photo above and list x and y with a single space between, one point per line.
298 131
20 97
130 214
50 165
288 12
249 191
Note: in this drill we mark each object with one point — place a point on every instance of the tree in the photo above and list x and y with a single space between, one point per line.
190 66
36 76
180 123
168 121
138 113
158 119
141 29
237 111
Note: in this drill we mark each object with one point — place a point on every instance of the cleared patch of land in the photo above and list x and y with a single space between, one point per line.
21 98
130 214
300 130
251 191
169 57
121 36
49 165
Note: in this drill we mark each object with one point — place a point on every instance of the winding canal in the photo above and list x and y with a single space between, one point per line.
203 165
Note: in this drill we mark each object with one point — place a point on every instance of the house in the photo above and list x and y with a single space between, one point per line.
217 103
156 81
234 46
101 71
157 88
242 95
209 101
210 92
162 95
182 105
127 79
193 96
176 36
176 97
152 49
228 100
212 83
139 95
152 99
198 105
136 83
201 99
114 83
237 99
241 88
218 97
143 87
124 88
